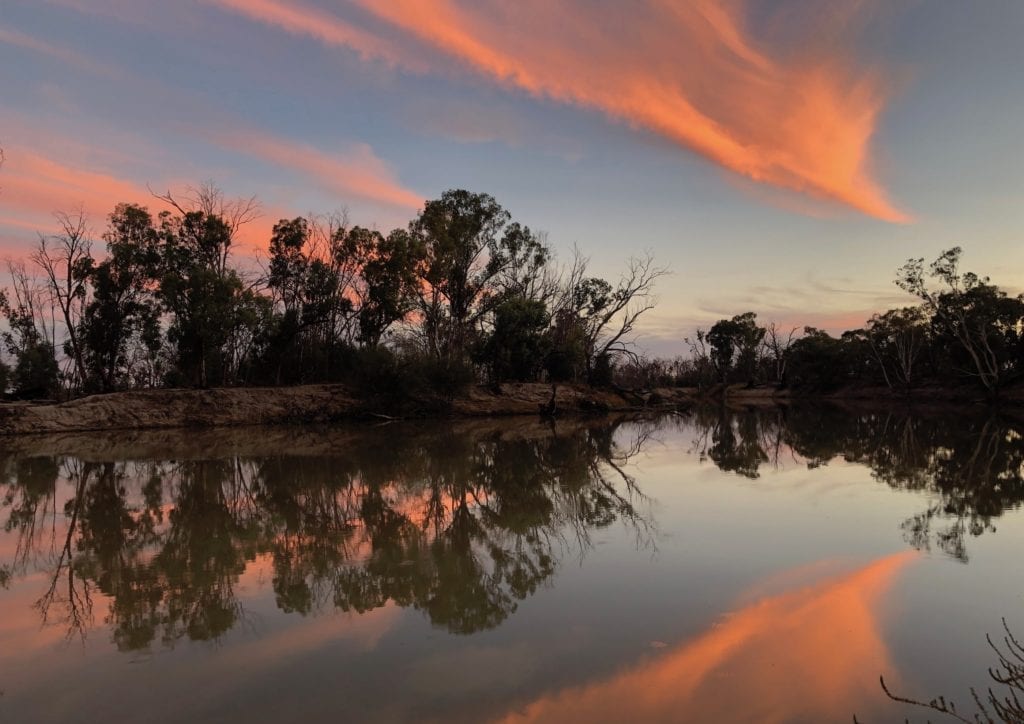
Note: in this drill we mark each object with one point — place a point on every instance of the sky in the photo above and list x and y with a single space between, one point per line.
779 156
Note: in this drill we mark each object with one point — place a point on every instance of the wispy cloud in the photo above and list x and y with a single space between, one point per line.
688 71
36 185
357 172
308 21
63 54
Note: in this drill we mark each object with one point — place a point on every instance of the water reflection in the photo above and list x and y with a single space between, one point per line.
461 525
144 542
971 462
773 660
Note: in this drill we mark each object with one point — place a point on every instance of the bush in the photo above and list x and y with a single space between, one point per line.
384 374
36 374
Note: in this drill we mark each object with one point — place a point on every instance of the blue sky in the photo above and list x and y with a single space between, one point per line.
780 157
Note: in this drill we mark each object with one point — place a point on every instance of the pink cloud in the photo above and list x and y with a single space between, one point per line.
359 172
689 72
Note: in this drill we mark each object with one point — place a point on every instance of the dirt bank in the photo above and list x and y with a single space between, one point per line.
166 409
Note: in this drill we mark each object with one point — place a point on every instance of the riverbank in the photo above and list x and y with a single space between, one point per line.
242 406
318 404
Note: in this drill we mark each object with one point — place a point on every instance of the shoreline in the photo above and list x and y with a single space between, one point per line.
232 407
306 404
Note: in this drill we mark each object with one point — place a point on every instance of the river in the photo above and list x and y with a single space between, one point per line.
714 565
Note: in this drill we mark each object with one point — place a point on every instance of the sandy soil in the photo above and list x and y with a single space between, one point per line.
233 407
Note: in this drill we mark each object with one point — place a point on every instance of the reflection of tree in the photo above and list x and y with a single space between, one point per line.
460 527
972 463
732 441
993 707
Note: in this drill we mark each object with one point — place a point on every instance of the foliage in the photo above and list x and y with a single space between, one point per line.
464 292
517 346
978 324
734 346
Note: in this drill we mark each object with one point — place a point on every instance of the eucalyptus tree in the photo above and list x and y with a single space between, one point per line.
122 317
472 253
898 340
734 346
602 316
980 318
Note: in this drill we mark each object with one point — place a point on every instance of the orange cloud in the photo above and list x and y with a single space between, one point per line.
812 654
314 23
35 186
687 71
360 173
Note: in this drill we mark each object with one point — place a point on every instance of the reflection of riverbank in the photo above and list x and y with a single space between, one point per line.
290 440
810 654
924 398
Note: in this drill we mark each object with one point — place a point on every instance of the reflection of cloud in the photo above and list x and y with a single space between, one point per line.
21 636
689 72
812 654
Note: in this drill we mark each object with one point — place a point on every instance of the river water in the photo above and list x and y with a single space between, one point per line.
711 566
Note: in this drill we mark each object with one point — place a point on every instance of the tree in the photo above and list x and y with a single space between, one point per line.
818 361
203 296
702 368
897 339
60 258
566 359
305 287
469 244
36 373
207 201
122 315
777 348
607 315
517 346
979 316
390 285
734 346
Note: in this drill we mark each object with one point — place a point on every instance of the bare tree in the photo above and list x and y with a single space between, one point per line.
26 309
61 258
209 199
609 314
777 346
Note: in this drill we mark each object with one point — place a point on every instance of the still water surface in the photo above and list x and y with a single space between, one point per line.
712 566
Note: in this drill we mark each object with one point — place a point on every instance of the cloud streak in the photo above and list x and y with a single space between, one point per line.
65 55
35 186
359 172
689 72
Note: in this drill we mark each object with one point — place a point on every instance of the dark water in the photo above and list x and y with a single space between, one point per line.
716 566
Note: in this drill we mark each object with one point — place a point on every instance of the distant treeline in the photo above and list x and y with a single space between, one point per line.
965 330
462 294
